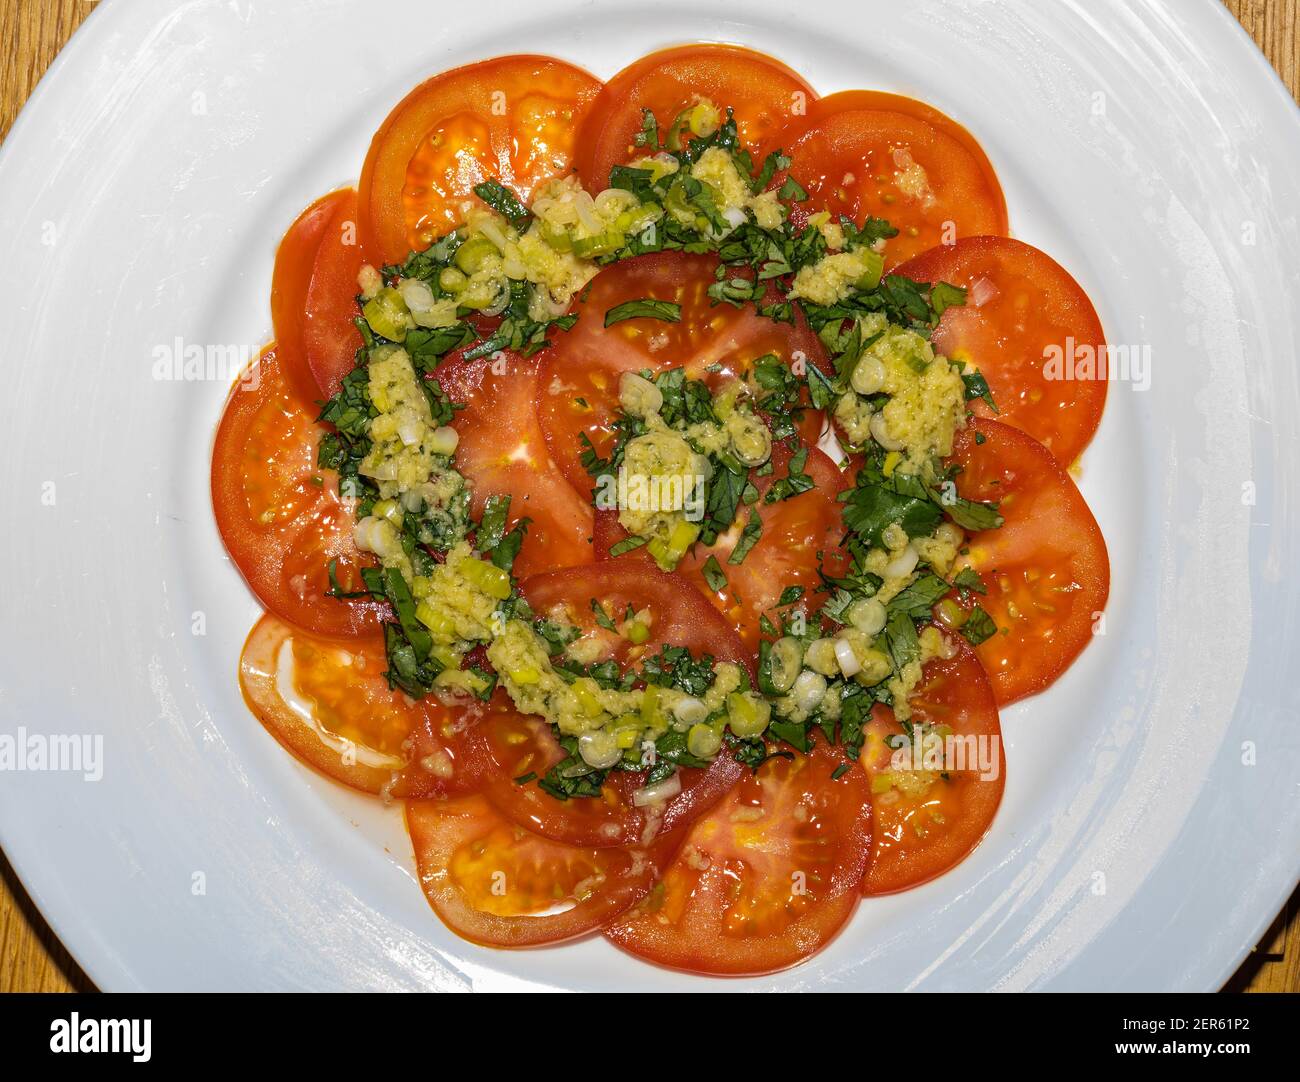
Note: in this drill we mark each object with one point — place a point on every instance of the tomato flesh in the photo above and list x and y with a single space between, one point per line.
931 812
1030 330
513 119
1046 570
495 884
329 703
764 880
863 153
280 516
797 533
295 263
330 336
578 392
762 91
519 745
677 616
514 746
502 452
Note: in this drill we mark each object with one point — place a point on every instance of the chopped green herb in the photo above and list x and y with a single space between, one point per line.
917 599
979 626
504 553
501 199
968 581
602 617
713 574
793 190
748 539
492 525
626 545
901 641
978 387
648 308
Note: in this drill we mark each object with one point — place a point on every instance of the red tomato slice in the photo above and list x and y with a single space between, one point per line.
329 703
680 618
280 517
861 152
495 884
502 451
580 378
519 745
764 880
295 261
1045 569
330 338
928 820
1022 309
512 119
795 531
763 92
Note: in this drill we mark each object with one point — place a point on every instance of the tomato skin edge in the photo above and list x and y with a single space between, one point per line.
331 339
697 947
1048 675
883 101
377 205
526 932
293 733
346 620
840 135
295 261
1089 331
975 696
589 151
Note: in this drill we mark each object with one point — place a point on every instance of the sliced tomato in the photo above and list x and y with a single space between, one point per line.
937 784
498 885
861 152
330 337
513 119
1046 571
763 93
715 343
280 516
1031 330
517 749
765 879
678 616
502 452
520 745
295 262
329 703
796 533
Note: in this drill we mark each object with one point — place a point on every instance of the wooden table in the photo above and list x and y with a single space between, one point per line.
32 958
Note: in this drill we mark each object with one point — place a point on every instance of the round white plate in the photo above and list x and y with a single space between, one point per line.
1150 827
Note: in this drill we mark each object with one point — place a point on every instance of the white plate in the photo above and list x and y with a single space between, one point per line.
1150 827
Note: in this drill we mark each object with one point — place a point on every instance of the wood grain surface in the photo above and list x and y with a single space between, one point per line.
31 34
